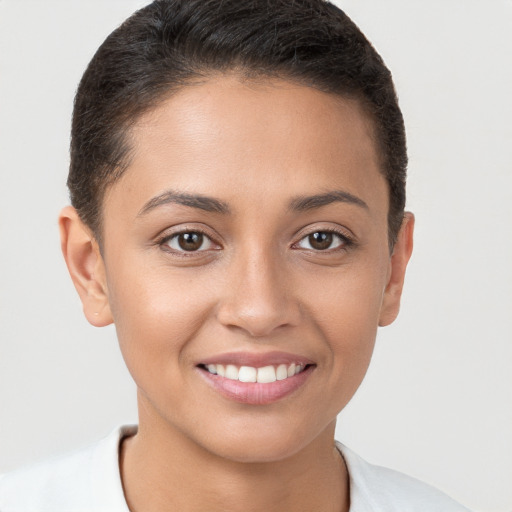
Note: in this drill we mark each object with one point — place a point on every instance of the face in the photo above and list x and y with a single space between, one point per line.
246 264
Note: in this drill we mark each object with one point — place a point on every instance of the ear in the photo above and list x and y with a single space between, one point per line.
85 264
397 266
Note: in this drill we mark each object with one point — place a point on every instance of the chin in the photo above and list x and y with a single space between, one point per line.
259 451
268 443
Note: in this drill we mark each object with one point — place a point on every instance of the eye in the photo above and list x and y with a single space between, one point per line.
322 241
189 241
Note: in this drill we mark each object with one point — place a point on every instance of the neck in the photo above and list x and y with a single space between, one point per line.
164 470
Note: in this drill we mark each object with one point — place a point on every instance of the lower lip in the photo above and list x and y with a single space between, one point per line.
255 393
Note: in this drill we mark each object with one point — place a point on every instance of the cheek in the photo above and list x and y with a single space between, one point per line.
347 299
156 312
346 309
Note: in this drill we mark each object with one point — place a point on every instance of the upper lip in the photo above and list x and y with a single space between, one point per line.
256 360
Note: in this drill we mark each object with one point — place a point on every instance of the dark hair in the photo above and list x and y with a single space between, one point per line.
170 43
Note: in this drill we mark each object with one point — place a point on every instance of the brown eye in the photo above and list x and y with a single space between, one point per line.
189 241
321 241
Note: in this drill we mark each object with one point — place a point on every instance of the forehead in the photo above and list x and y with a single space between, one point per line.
251 137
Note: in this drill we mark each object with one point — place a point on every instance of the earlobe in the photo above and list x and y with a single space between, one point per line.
398 265
86 267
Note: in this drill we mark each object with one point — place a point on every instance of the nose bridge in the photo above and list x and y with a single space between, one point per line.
257 298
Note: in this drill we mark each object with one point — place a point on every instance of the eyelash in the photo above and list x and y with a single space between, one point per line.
164 242
346 242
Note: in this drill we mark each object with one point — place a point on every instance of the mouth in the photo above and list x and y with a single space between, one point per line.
262 375
260 381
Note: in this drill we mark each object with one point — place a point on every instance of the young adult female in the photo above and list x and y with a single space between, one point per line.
237 182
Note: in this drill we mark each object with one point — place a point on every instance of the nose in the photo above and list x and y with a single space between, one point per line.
258 296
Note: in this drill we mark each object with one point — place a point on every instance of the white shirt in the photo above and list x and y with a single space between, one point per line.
89 481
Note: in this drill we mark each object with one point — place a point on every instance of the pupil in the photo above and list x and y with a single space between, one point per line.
190 241
320 240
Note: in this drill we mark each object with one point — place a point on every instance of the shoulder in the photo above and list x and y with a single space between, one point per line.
39 487
86 480
379 489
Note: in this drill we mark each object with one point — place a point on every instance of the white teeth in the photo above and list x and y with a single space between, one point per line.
282 372
247 374
266 374
231 372
263 375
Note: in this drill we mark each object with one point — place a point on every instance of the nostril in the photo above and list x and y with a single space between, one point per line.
258 300
257 322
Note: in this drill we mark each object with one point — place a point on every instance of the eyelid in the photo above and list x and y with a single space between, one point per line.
171 233
340 242
344 234
205 240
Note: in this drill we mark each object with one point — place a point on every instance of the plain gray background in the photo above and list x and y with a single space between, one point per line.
437 401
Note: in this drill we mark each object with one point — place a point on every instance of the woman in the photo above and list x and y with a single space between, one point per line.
238 188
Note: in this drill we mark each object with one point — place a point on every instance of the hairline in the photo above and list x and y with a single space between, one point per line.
246 75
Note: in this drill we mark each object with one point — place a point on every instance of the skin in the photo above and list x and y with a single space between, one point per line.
259 286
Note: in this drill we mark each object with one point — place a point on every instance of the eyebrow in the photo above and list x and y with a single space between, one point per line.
212 205
208 204
304 203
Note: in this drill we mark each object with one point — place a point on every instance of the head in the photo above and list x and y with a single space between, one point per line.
237 179
171 44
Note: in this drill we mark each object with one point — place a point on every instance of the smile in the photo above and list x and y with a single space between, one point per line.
263 375
256 379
